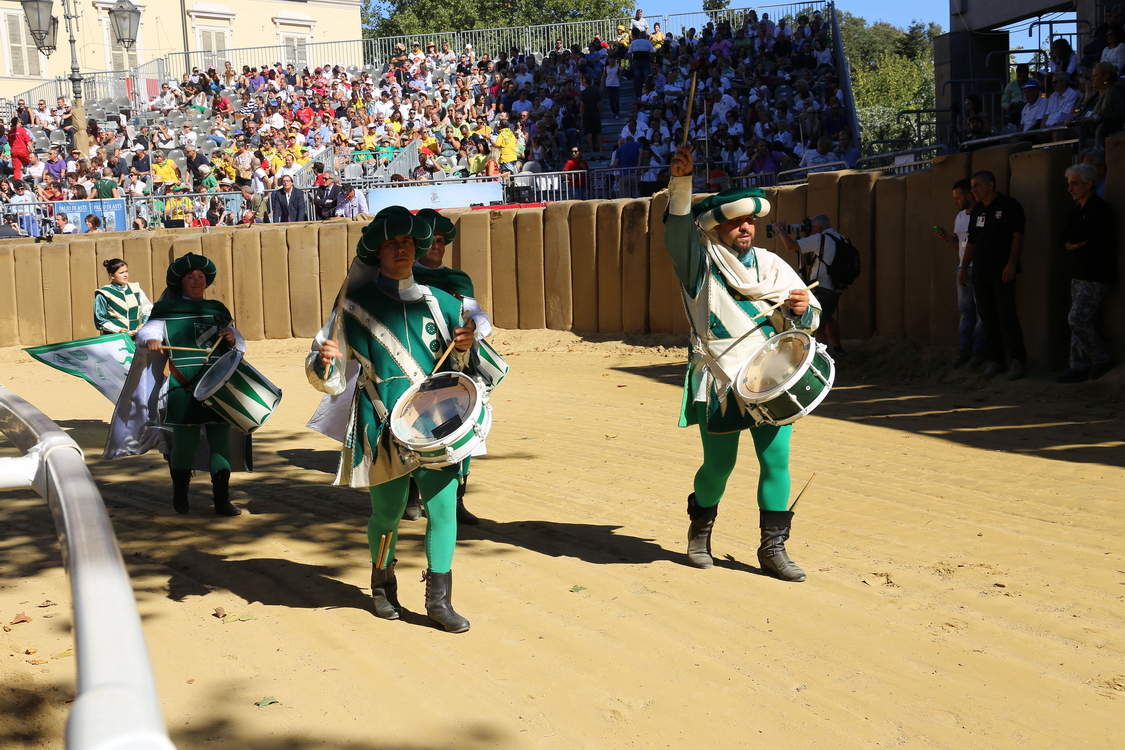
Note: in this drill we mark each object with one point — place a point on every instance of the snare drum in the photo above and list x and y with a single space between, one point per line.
440 420
786 377
237 392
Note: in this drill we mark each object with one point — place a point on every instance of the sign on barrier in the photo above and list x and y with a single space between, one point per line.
435 196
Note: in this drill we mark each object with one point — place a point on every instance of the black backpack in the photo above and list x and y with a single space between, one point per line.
844 268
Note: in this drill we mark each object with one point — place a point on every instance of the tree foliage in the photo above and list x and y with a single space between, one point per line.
716 4
892 70
405 17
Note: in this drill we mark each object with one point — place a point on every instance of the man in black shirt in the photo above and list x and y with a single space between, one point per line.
996 228
1091 240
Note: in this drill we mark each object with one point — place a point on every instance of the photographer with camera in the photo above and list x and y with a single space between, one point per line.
816 253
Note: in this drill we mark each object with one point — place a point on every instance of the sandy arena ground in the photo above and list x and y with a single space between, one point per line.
963 540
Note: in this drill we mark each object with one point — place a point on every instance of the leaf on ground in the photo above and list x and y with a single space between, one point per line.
576 588
7 629
610 437
220 612
269 700
36 662
30 651
53 614
64 654
48 603
238 617
21 617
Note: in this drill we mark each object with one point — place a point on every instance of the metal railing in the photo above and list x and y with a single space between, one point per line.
997 140
355 53
117 704
624 182
801 174
901 162
844 73
524 187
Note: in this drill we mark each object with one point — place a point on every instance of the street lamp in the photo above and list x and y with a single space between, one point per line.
125 19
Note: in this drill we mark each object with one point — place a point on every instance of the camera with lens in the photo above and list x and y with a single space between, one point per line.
796 231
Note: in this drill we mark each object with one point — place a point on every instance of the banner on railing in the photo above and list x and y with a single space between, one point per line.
436 196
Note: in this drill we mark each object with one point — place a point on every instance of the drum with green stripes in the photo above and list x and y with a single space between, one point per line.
492 367
786 377
238 393
439 421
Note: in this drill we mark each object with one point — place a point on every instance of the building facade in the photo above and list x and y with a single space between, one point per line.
168 28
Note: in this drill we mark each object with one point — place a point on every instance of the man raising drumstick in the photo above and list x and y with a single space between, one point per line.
728 284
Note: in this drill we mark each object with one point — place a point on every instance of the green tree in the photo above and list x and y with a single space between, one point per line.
405 17
892 70
716 4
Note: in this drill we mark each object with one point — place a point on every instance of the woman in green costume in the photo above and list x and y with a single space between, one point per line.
183 319
396 330
120 306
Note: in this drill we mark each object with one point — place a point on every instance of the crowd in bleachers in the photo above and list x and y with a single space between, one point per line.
767 99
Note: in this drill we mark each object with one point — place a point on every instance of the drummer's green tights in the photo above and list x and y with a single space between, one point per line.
439 496
720 454
185 442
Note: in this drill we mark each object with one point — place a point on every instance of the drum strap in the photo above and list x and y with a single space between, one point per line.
435 313
179 376
387 340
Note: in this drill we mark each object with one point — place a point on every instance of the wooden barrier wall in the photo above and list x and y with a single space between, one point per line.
600 266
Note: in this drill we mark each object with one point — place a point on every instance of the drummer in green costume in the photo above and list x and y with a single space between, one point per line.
397 331
183 318
431 270
726 282
120 306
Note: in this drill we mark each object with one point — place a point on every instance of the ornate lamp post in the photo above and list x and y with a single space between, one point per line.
125 19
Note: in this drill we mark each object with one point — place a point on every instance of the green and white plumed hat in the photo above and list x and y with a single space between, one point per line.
388 224
729 204
185 264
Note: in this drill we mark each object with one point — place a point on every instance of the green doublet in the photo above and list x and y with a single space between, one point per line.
390 363
450 280
123 305
194 324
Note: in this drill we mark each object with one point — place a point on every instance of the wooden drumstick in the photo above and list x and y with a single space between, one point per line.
779 304
802 492
181 348
687 120
448 350
382 554
215 345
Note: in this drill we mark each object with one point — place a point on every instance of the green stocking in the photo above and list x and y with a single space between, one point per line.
720 455
185 442
439 494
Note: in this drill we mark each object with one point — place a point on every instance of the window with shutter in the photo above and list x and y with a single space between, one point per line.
295 51
23 57
121 58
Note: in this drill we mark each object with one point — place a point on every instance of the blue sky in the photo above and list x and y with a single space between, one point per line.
897 13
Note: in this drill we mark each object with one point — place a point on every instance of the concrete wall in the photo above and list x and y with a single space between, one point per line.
601 266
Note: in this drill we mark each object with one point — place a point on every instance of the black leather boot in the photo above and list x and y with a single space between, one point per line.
699 533
384 592
439 590
181 478
220 484
464 515
772 557
413 510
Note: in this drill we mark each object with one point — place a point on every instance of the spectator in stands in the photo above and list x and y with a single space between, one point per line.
1104 113
165 169
1091 239
352 202
1114 51
845 151
1061 103
256 204
1012 100
819 156
641 53
63 224
1063 58
326 197
194 160
1034 111
288 203
639 23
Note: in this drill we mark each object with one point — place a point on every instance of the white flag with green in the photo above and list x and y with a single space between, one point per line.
102 361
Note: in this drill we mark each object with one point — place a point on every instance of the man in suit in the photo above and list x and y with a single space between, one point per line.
327 197
288 203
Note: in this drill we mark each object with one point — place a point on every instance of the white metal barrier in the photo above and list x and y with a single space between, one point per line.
117 707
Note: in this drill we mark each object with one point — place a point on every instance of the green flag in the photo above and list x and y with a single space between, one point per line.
102 361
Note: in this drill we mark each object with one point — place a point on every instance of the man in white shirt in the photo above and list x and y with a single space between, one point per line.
816 253
819 156
639 22
1061 103
1035 108
187 137
970 346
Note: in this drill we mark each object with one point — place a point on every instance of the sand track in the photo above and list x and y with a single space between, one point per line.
964 545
